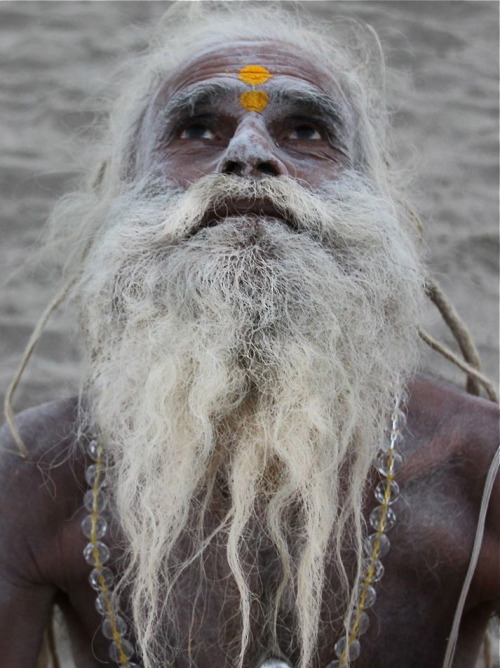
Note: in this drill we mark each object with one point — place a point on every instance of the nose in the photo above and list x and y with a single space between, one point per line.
251 153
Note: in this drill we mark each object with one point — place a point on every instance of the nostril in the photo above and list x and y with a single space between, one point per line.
232 167
267 168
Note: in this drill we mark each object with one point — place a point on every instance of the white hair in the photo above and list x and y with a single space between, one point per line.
250 355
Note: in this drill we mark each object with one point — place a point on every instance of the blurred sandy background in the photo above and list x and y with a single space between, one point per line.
55 56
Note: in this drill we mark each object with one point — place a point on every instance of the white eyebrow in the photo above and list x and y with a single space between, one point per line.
303 99
198 94
311 100
194 96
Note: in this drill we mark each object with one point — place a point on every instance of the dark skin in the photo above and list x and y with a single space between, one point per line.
304 131
449 440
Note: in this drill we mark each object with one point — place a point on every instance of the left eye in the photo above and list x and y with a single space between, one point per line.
305 132
197 131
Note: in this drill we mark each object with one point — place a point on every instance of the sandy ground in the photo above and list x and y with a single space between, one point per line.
55 56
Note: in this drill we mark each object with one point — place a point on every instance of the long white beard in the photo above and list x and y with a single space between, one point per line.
265 354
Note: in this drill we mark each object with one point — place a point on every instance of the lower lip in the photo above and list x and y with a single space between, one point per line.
249 219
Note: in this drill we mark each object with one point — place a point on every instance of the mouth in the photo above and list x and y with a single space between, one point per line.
250 209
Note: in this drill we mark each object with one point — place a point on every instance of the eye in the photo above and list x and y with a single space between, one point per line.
305 132
197 131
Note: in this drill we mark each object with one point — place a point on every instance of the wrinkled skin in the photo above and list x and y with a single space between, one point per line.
292 136
449 442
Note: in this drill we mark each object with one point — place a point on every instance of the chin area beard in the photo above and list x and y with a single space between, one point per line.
251 357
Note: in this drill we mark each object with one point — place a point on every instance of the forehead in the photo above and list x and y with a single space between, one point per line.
282 61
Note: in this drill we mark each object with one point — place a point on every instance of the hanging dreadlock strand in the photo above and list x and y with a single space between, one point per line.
471 372
459 330
28 351
51 640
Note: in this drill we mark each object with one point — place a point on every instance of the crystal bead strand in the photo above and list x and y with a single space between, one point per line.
97 553
376 545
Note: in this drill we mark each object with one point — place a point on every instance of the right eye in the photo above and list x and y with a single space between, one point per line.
305 132
197 131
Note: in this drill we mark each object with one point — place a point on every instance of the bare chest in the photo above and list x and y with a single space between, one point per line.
408 624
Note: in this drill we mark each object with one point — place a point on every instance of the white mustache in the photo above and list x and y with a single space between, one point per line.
215 197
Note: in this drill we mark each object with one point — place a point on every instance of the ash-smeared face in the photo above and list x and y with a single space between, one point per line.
248 109
239 155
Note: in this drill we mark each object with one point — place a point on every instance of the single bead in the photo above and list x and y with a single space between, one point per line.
96 552
395 440
95 578
384 544
93 449
127 649
370 597
378 571
377 519
354 649
100 605
120 625
384 466
274 663
392 440
101 501
380 490
97 524
92 472
364 623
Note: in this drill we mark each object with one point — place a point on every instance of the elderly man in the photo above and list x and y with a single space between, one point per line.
252 475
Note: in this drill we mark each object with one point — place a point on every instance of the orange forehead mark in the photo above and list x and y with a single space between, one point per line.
254 74
254 100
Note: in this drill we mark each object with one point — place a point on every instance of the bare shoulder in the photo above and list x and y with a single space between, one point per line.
49 434
452 441
451 436
41 492
454 423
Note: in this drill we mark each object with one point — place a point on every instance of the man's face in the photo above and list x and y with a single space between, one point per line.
250 110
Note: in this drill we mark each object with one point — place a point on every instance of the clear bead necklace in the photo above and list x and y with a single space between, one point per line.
375 546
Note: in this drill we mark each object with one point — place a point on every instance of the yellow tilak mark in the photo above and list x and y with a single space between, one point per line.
254 100
254 74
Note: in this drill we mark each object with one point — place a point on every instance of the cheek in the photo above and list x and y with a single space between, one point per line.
316 170
184 166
